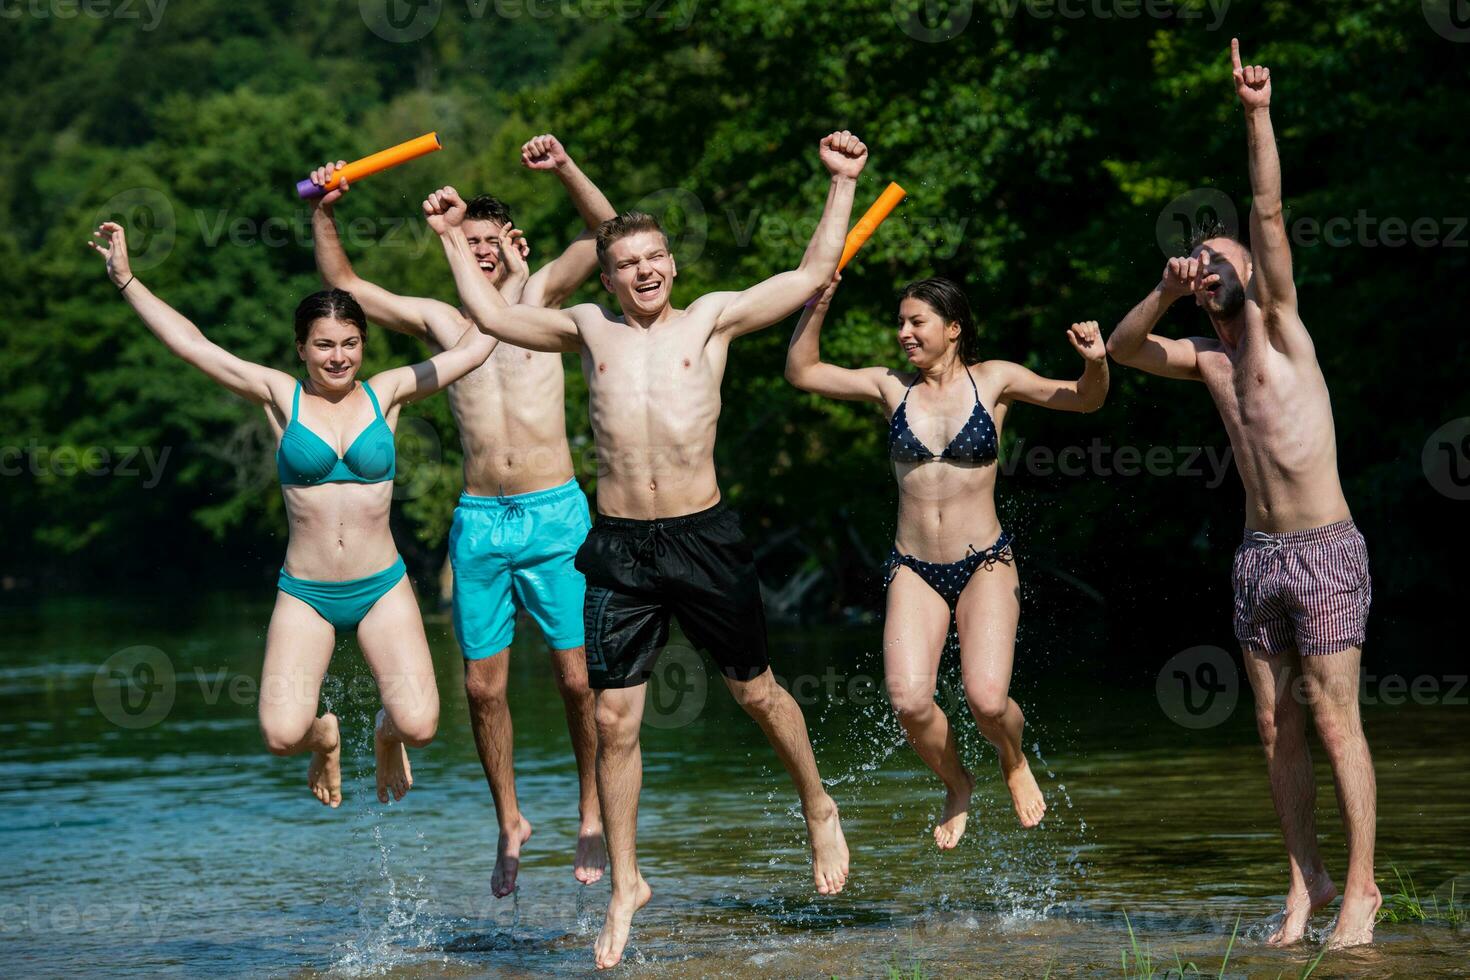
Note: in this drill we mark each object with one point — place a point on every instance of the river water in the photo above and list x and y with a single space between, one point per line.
147 831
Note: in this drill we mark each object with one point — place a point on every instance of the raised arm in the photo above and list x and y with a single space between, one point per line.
436 323
765 303
806 370
251 381
416 381
1133 341
1271 278
1086 394
556 280
531 327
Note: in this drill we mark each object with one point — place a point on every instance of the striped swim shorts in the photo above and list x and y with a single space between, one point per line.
1307 590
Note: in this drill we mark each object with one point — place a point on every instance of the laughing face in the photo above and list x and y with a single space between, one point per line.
1225 269
923 333
639 270
484 238
332 353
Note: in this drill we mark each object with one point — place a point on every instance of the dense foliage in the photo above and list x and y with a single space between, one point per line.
1042 145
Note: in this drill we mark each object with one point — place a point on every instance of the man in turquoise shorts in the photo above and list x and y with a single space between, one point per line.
522 516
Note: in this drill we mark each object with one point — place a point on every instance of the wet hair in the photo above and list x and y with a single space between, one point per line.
949 301
1211 230
625 224
330 304
487 208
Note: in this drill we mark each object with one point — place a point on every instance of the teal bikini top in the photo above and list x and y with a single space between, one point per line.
303 459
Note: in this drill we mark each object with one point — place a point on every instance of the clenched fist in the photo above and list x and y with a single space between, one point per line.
444 209
1087 339
543 152
843 154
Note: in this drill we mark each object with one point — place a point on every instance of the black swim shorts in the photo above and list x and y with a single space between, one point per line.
640 573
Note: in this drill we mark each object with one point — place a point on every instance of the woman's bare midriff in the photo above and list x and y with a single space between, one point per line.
945 508
338 530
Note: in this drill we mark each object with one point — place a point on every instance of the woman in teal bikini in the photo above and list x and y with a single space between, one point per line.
951 561
342 571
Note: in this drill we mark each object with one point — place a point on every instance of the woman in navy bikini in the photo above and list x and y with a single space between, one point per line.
342 571
951 561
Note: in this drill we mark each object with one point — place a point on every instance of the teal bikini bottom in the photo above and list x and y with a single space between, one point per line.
345 603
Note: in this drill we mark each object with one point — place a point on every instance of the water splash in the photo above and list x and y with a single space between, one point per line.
395 918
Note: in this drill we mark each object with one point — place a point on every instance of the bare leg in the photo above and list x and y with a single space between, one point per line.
780 718
619 715
1332 692
581 707
392 639
298 650
1281 721
485 683
986 617
914 630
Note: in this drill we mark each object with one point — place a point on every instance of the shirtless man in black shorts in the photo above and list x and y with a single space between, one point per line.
664 542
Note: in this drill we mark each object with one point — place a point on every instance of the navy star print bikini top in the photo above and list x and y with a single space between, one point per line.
974 443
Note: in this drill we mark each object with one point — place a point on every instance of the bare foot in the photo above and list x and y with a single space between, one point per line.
324 775
951 826
614 936
829 848
1300 907
508 858
394 773
1025 794
591 856
1355 920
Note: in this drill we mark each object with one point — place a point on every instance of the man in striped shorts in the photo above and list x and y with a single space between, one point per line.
1301 575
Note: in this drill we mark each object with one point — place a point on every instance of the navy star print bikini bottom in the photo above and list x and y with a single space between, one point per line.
950 580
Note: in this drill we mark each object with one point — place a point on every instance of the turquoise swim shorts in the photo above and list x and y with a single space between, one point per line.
513 553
